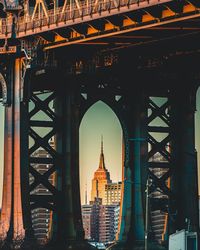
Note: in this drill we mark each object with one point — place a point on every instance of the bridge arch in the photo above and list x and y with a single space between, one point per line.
67 99
116 104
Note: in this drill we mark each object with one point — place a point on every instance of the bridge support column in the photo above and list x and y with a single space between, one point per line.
138 161
12 207
126 206
68 230
133 235
184 181
7 179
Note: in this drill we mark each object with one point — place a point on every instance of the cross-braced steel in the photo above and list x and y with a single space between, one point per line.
53 121
159 163
158 125
48 201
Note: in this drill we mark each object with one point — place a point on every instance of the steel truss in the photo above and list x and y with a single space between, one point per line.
159 161
53 134
76 22
162 140
110 92
54 159
172 141
44 126
55 122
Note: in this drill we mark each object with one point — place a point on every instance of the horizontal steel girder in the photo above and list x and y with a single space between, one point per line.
120 18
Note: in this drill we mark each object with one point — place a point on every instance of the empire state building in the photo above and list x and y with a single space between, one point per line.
101 178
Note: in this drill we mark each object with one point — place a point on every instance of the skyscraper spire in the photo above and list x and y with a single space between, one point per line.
101 144
101 162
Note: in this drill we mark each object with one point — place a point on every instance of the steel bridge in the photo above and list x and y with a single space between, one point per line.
128 53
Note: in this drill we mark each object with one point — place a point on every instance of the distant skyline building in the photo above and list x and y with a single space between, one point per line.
101 178
90 218
101 217
90 221
100 222
108 222
158 218
112 193
41 216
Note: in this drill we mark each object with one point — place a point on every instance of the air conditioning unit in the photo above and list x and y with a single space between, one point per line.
183 240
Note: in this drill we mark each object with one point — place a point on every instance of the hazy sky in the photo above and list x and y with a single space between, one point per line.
99 120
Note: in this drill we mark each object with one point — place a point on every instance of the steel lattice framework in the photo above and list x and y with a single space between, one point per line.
64 23
57 58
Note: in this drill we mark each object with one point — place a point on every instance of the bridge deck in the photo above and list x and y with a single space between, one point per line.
72 14
84 21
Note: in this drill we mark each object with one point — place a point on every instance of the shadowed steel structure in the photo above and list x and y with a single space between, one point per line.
57 58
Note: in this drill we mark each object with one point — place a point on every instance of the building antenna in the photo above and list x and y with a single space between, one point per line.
101 144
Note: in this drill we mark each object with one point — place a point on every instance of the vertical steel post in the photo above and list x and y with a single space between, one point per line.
69 226
124 229
7 180
138 161
147 215
71 176
12 208
56 234
75 165
24 162
184 181
67 211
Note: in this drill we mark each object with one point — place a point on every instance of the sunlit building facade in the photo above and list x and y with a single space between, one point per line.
112 193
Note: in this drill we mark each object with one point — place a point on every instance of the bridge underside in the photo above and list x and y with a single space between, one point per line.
138 66
137 83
